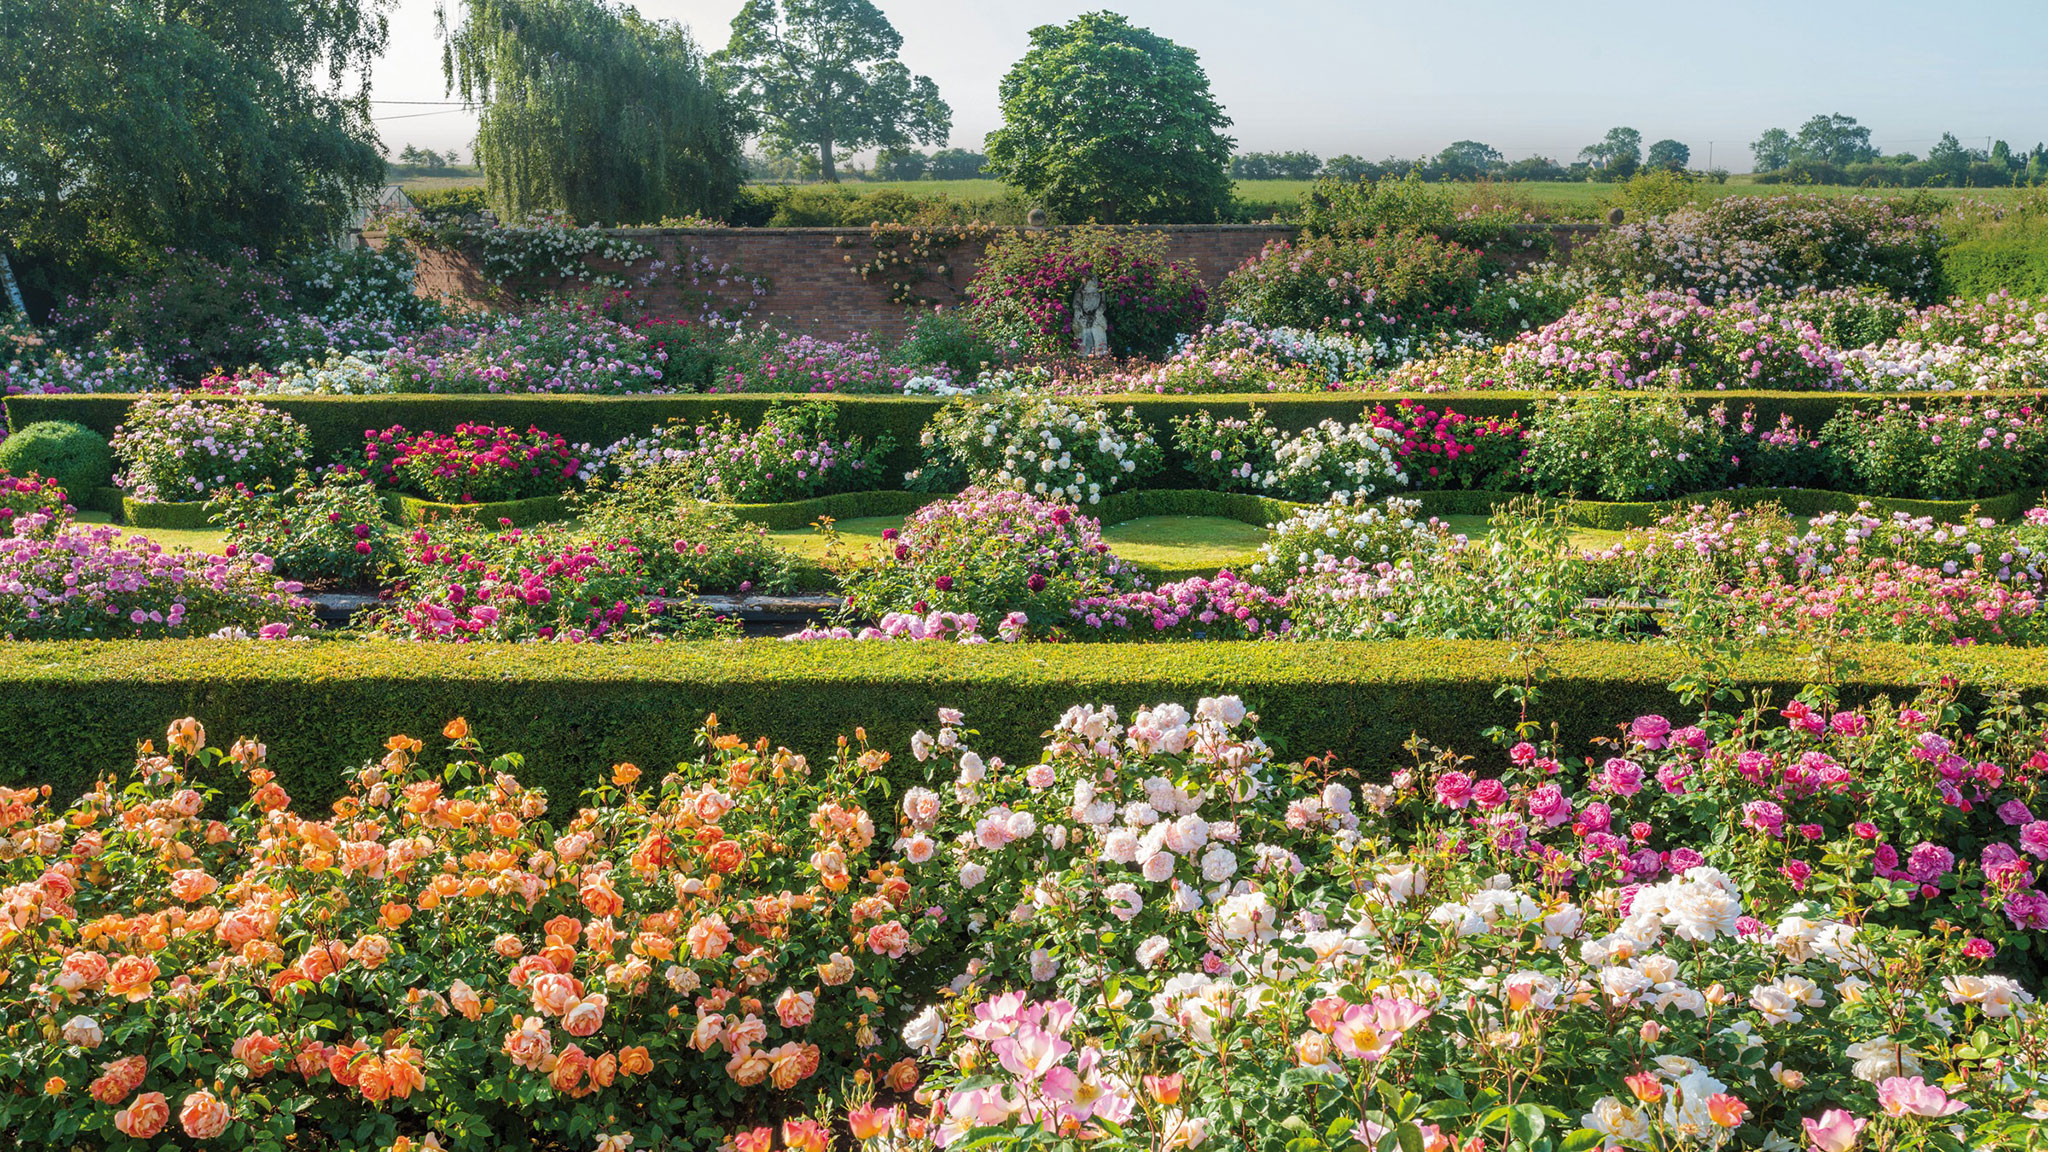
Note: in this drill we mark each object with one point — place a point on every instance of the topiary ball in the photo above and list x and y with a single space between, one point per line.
73 455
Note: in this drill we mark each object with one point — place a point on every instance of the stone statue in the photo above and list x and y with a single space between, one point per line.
1091 320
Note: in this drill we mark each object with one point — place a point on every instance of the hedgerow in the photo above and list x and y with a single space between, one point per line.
67 709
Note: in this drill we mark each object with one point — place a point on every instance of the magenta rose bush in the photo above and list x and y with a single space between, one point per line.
475 463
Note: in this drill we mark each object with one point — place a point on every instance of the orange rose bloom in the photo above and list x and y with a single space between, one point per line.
203 1117
402 1070
257 1052
529 1044
634 1061
131 977
757 1140
747 1067
708 937
371 951
119 1079
570 1068
456 729
465 1000
725 856
187 736
902 1075
585 1016
192 884
144 1117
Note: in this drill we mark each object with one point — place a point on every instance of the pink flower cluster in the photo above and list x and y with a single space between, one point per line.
474 463
1222 607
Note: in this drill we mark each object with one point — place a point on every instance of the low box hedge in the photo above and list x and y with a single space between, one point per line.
69 711
521 513
337 423
166 514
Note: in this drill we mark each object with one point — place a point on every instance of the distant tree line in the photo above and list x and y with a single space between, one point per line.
1616 156
1835 149
428 162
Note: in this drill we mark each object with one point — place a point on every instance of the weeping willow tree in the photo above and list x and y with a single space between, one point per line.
590 109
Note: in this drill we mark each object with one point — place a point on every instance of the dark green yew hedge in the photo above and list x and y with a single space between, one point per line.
337 423
69 711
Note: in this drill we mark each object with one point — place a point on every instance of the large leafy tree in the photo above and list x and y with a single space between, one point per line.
1835 139
1772 150
1105 120
1617 155
129 126
1469 160
822 75
1668 154
589 109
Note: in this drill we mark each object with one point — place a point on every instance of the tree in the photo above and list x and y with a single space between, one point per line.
1836 140
1772 150
589 109
823 75
1617 155
1349 167
1106 120
956 164
901 164
130 126
1534 168
1949 159
1469 160
1669 155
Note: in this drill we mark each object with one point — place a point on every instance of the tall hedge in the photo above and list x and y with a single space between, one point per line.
69 711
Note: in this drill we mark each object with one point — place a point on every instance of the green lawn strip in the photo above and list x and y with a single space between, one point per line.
197 539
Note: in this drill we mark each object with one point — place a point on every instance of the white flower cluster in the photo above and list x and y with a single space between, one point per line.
1370 532
1046 447
354 374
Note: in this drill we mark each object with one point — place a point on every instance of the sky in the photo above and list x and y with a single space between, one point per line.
1405 77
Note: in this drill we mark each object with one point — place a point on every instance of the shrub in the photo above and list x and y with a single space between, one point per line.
1672 340
1222 607
689 353
191 313
1332 355
558 348
794 453
1606 447
1450 450
23 497
770 361
97 367
994 555
181 448
327 530
686 546
948 337
74 457
1382 288
476 463
1372 532
1998 342
422 1002
1950 452
89 582
462 583
353 374
1690 924
1330 461
1742 245
1027 282
1044 446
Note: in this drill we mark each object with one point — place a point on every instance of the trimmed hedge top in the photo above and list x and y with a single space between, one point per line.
337 423
71 710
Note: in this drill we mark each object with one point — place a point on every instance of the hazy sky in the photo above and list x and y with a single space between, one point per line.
1406 77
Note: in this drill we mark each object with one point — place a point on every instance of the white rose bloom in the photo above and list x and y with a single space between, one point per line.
925 1031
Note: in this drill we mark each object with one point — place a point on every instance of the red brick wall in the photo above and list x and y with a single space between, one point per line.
813 283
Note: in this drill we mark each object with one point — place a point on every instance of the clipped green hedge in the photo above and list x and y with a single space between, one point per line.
71 710
337 423
533 510
168 514
1796 502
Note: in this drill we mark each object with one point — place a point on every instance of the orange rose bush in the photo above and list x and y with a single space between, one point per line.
446 956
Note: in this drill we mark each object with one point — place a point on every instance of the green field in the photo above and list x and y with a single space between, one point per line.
1566 198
